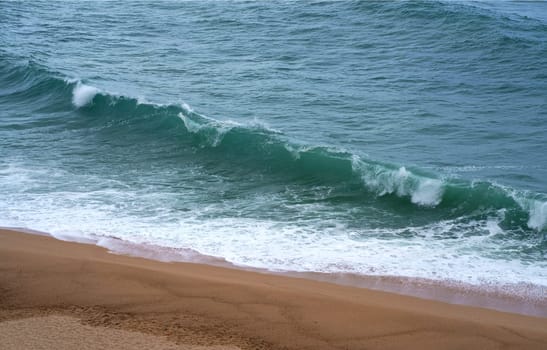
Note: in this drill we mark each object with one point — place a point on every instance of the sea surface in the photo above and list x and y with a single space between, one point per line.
373 138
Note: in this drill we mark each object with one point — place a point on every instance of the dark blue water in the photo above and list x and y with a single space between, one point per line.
385 138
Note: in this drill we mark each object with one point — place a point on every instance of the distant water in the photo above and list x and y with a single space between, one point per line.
377 138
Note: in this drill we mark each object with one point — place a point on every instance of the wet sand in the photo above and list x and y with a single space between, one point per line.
47 285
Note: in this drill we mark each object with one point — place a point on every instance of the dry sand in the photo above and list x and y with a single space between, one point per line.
62 332
53 293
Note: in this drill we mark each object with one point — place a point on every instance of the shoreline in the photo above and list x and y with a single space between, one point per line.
522 298
525 299
208 305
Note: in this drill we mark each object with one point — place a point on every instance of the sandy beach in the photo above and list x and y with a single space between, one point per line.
55 294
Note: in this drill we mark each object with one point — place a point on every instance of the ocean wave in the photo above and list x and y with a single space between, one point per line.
274 151
258 148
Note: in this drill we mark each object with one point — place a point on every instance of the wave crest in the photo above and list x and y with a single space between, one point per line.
83 94
263 149
401 182
258 148
538 215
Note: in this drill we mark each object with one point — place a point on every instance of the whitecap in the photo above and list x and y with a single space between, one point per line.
429 193
83 94
538 215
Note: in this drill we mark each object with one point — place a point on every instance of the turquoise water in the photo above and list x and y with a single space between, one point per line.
377 138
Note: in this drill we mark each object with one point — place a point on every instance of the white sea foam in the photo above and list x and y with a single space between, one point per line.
326 246
190 124
493 227
186 107
429 192
459 249
263 125
212 130
83 94
293 150
401 182
536 208
538 215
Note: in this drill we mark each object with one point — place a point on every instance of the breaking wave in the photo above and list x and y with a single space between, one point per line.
261 149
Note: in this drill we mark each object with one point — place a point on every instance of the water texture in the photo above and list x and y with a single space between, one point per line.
377 138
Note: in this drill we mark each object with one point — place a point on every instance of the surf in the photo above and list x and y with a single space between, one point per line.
260 149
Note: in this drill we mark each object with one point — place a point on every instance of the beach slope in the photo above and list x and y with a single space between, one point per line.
44 281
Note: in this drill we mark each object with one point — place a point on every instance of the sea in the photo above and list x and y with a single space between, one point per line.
373 138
